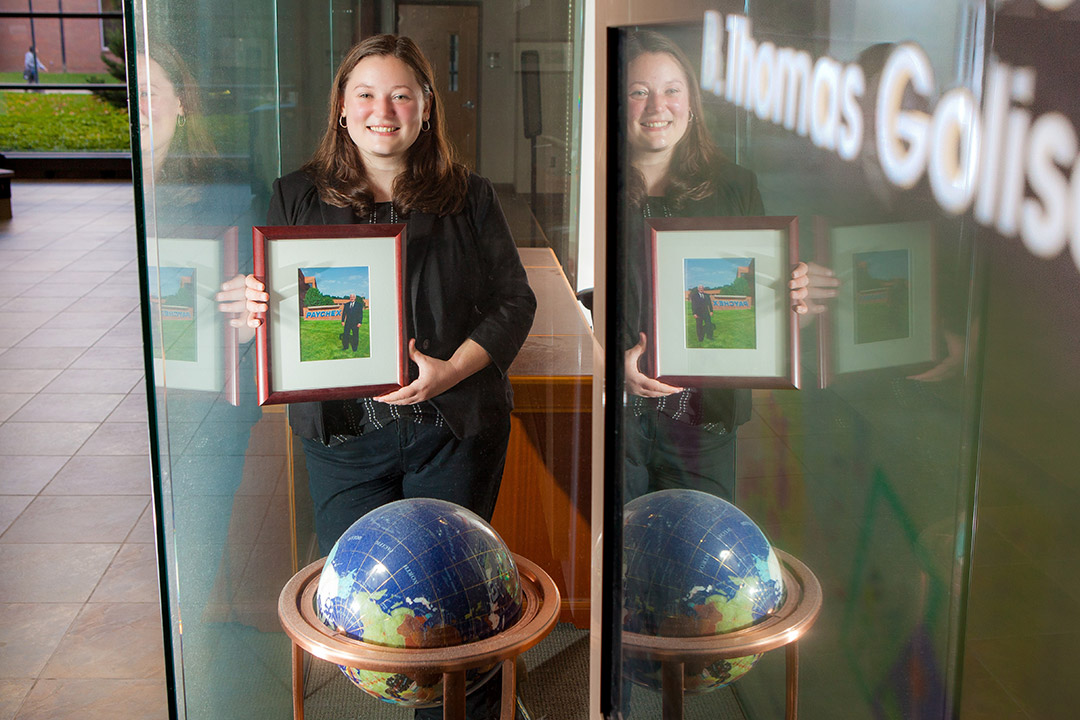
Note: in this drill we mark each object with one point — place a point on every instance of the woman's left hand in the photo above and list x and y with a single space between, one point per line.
437 376
810 283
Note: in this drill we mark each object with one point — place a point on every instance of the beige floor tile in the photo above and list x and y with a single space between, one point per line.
26 380
12 693
50 337
131 578
44 438
32 358
106 357
102 475
111 640
144 531
27 475
11 402
131 409
53 573
76 519
116 438
10 507
84 380
60 407
29 633
85 699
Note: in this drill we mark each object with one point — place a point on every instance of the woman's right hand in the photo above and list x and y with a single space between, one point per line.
637 382
245 298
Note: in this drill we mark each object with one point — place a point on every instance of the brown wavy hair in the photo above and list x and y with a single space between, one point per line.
695 160
432 181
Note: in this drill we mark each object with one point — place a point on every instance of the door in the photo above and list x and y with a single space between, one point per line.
449 35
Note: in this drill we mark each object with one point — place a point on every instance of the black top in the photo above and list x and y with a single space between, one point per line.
463 280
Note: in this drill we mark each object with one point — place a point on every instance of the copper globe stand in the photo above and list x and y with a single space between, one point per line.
784 627
540 613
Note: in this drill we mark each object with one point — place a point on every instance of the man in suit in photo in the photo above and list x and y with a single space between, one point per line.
701 306
352 317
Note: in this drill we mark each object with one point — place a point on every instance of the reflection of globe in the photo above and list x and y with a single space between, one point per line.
418 573
695 565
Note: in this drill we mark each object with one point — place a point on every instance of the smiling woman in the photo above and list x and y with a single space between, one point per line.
385 158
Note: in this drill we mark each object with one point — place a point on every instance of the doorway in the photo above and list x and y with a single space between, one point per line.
449 35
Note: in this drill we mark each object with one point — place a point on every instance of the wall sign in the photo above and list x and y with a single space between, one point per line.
1018 173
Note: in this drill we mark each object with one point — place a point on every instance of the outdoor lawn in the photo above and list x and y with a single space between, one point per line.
732 329
321 340
61 122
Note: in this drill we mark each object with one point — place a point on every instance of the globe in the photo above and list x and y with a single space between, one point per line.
694 565
418 573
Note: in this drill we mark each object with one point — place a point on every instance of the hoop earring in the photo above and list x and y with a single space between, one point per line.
691 116
181 121
426 125
341 121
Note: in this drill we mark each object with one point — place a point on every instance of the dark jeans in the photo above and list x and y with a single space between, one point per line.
662 453
404 460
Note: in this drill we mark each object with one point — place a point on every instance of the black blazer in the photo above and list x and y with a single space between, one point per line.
463 279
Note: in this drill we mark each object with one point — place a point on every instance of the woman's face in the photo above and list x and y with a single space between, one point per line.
159 110
383 108
659 103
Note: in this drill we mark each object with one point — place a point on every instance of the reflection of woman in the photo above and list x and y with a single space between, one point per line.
676 437
385 158
175 142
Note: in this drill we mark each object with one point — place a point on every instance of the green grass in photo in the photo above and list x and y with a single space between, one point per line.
732 329
875 322
321 340
180 339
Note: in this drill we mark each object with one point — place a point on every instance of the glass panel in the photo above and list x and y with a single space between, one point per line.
864 471
234 96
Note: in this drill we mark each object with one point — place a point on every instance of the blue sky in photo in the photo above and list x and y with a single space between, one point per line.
340 281
169 278
711 272
885 264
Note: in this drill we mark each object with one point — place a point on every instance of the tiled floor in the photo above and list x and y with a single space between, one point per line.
80 624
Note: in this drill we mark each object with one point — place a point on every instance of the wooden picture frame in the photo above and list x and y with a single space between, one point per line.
854 340
297 353
737 268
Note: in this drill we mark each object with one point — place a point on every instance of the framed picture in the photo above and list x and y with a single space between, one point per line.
884 316
193 348
722 311
335 324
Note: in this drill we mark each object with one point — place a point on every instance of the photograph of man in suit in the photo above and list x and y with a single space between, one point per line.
701 307
352 317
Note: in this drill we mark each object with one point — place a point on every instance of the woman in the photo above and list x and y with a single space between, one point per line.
680 438
385 158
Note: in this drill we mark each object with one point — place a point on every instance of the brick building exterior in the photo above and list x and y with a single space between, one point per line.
83 39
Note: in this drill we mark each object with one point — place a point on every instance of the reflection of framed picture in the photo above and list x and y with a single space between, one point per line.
335 326
193 348
884 316
722 311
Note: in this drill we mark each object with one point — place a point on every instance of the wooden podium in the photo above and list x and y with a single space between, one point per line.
544 502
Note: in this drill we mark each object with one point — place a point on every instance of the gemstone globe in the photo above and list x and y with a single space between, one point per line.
418 573
695 565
